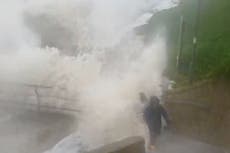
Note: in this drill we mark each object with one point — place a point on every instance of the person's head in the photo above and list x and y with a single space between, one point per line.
154 101
143 97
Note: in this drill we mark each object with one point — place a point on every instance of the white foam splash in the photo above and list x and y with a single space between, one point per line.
110 66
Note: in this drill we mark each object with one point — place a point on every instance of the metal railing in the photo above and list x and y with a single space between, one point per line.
35 91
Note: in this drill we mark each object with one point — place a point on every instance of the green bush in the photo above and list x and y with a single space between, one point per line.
213 51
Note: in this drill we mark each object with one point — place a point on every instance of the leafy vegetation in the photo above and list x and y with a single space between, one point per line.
213 50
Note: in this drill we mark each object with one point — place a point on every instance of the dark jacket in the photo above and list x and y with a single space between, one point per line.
152 116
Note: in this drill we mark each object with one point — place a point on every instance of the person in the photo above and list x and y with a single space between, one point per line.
143 98
152 115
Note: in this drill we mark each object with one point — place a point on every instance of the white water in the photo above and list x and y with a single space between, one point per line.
109 65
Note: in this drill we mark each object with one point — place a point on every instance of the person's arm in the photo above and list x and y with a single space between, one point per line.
166 116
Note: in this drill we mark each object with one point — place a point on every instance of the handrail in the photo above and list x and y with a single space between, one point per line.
39 96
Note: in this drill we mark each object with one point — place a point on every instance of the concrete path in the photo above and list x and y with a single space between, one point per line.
27 131
169 143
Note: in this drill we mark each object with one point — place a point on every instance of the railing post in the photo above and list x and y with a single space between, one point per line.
38 99
195 39
181 39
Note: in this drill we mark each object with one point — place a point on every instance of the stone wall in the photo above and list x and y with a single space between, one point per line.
202 111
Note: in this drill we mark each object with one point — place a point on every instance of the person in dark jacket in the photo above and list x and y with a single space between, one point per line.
152 115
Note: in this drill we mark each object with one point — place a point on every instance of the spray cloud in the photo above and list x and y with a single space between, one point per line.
90 48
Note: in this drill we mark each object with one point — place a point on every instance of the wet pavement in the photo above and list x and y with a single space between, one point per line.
170 143
29 131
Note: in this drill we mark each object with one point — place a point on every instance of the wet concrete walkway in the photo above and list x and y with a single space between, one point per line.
27 131
170 143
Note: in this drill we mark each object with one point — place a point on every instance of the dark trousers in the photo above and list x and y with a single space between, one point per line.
154 133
